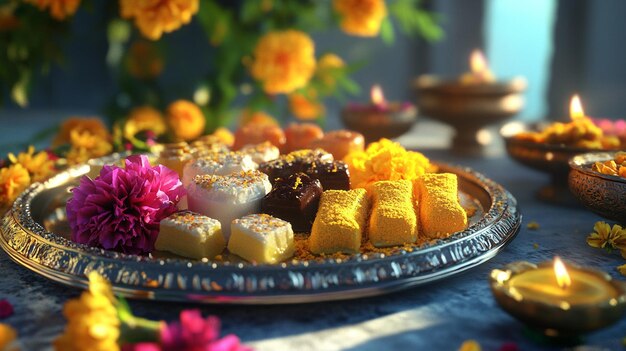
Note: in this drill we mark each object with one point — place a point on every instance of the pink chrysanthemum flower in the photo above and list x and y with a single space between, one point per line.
121 208
191 333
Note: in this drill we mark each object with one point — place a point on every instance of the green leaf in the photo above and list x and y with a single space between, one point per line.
387 32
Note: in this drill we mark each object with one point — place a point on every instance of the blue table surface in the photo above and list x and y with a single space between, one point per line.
437 316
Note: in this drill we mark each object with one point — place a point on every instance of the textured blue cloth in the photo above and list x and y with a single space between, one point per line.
439 316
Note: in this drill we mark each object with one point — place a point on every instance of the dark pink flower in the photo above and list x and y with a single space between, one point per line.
509 346
121 208
194 333
6 309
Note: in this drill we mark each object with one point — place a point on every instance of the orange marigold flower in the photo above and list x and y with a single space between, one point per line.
185 120
283 61
155 17
142 119
13 180
225 136
325 67
59 9
88 138
306 107
8 338
470 345
93 126
256 117
39 166
361 17
144 60
385 160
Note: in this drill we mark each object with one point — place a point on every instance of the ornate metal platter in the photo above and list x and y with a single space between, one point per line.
34 234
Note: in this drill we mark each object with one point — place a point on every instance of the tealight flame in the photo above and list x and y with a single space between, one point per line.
377 95
478 62
562 277
576 108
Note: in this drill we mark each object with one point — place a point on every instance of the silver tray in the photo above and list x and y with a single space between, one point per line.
33 233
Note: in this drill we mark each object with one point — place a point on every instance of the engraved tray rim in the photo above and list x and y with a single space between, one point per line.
176 279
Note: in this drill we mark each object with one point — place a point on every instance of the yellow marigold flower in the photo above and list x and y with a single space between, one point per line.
306 107
8 338
39 165
142 119
59 9
92 126
87 137
185 120
225 136
470 345
325 67
256 117
155 17
283 61
361 17
605 237
13 180
144 60
92 321
385 160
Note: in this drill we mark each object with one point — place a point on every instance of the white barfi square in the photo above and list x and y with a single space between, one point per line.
228 197
191 235
218 164
262 152
261 238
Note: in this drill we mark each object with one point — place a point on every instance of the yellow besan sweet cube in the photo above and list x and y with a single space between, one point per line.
440 213
261 238
191 235
392 220
340 221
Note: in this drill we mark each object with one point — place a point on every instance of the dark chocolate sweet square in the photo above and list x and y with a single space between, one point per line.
295 200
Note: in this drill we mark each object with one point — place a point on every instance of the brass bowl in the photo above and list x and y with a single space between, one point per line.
601 193
557 320
469 108
375 124
552 159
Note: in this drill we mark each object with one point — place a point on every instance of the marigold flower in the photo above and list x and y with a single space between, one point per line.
325 67
91 125
121 208
283 61
306 107
39 165
8 338
470 345
13 180
92 319
606 237
155 17
225 136
59 9
144 118
385 160
361 17
144 60
258 118
185 119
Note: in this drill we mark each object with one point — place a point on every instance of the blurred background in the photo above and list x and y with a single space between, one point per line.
560 47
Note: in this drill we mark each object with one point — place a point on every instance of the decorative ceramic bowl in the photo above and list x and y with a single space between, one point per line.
375 124
468 108
601 193
548 158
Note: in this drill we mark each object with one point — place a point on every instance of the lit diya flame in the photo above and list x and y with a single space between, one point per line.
576 108
479 67
377 95
562 276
